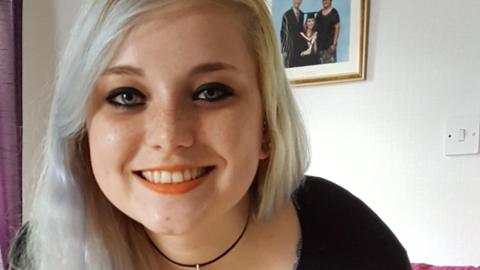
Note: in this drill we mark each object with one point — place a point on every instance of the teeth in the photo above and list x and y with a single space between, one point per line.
187 175
147 175
177 177
157 177
165 177
201 172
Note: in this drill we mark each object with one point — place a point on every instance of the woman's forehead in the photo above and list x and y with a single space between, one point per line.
185 33
182 9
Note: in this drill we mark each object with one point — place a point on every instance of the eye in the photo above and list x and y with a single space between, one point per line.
211 92
126 97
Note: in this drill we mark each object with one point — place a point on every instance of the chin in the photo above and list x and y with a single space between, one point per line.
166 224
168 228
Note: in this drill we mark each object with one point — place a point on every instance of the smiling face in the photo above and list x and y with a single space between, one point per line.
327 3
175 122
297 3
310 23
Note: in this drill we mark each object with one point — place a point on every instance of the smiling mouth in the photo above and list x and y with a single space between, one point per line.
173 182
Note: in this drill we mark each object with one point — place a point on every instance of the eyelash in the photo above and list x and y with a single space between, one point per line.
120 93
118 96
222 91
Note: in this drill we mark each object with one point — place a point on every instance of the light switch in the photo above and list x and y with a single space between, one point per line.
462 135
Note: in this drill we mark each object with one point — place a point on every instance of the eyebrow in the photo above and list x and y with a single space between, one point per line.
211 67
202 68
124 70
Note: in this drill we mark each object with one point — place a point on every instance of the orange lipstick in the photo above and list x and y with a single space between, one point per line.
172 189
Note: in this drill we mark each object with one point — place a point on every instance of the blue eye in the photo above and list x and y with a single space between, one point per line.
211 92
126 97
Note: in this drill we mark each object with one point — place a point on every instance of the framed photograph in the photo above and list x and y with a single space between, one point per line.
322 41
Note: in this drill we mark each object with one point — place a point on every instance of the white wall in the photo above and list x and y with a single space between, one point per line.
38 72
382 138
46 25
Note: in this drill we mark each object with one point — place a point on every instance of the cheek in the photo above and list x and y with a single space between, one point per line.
236 135
111 147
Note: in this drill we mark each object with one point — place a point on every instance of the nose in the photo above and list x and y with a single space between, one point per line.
169 128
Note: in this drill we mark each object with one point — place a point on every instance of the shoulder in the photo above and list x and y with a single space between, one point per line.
318 195
315 189
334 13
288 13
337 225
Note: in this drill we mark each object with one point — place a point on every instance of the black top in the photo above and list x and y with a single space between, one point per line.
340 232
290 38
309 59
324 25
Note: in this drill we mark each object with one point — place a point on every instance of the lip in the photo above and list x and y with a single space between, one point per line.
171 188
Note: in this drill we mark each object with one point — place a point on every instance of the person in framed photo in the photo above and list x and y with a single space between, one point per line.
327 24
308 55
292 26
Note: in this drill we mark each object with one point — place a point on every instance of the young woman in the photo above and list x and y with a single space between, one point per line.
308 56
171 149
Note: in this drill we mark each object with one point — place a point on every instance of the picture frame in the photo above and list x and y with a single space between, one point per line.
344 61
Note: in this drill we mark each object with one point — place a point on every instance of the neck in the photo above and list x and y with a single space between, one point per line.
207 240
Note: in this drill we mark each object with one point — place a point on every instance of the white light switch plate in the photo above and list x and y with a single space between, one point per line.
462 135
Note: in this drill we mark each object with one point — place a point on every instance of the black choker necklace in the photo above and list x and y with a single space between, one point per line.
198 265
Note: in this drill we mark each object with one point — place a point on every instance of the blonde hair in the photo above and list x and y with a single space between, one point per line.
72 225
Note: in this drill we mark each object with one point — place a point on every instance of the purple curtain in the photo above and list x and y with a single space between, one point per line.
10 121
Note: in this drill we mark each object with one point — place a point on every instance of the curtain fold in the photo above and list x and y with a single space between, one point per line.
10 121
